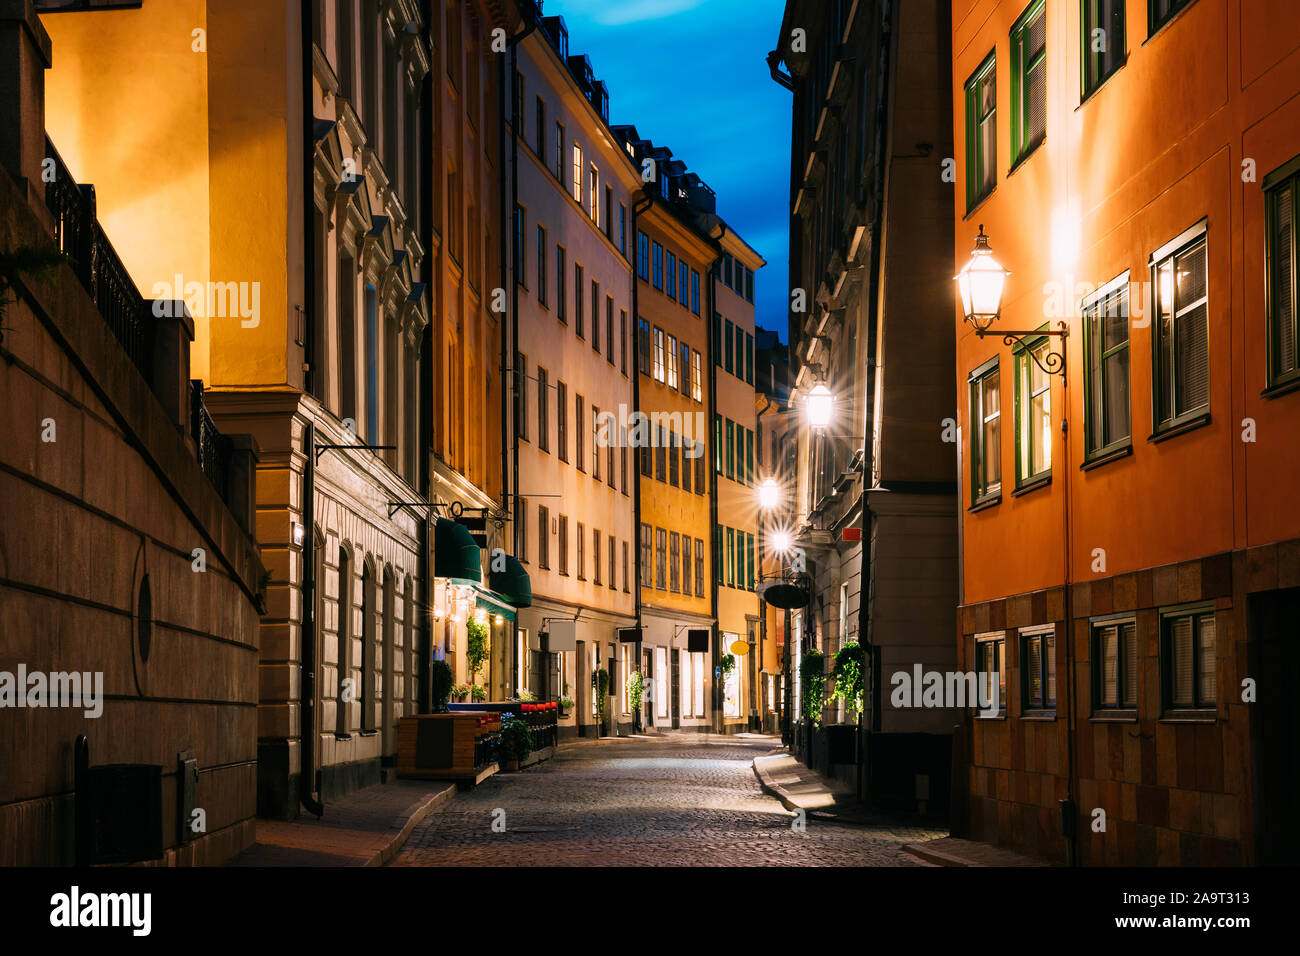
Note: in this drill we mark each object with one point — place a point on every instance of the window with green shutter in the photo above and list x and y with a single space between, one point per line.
1029 80
981 132
1281 206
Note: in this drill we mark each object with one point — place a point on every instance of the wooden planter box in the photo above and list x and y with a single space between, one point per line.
455 746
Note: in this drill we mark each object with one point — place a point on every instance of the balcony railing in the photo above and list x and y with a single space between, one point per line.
214 447
80 237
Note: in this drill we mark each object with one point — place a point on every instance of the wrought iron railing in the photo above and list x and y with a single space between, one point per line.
214 447
79 236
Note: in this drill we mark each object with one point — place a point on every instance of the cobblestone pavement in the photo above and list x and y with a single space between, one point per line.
684 801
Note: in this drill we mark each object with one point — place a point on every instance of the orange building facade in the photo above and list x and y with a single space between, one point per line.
1130 554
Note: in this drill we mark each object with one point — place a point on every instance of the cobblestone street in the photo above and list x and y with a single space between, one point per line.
684 801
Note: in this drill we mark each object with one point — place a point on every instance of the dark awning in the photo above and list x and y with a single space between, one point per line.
455 555
512 584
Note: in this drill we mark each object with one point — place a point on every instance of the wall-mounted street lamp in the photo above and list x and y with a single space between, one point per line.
769 494
820 403
981 283
781 542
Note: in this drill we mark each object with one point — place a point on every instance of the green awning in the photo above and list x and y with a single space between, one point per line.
493 604
455 554
513 584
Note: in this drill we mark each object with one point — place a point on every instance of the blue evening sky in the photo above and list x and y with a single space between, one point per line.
692 75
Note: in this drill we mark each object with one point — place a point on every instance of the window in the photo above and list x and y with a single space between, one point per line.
672 361
1029 80
695 292
1114 666
541 130
543 537
561 291
541 266
577 174
1281 205
642 255
593 201
661 456
1107 425
749 562
699 471
643 346
563 543
645 555
985 434
520 243
622 324
562 419
1038 670
728 351
731 449
697 378
543 406
686 464
578 459
609 469
726 269
731 557
582 557
717 338
661 559
1103 41
683 284
740 352
627 586
717 443
671 276
990 660
684 363
521 529
674 562
659 355
613 564
609 329
1181 339
749 284
749 457
674 463
699 567
559 151
578 286
658 276
622 466
749 359
1160 12
686 565
1033 413
521 395
595 316
622 230
981 132
1188 663
595 442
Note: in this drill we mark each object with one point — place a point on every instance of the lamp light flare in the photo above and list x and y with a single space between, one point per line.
820 402
980 283
781 541
769 494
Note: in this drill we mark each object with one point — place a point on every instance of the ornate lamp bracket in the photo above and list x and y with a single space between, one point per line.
1053 363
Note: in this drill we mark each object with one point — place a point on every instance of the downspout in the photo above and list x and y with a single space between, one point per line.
307 589
510 436
424 446
712 469
882 134
645 202
762 604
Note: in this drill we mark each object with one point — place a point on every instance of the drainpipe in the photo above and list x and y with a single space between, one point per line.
762 604
712 470
307 588
424 446
642 204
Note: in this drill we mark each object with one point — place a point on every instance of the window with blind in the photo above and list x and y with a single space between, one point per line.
595 316
699 567
985 434
661 456
561 293
674 463
562 542
582 554
1114 668
1107 414
541 266
991 672
579 452
674 562
613 563
562 419
1104 48
578 287
1188 663
543 410
1029 80
543 537
661 559
1033 414
595 442
981 132
686 565
1181 334
645 555
687 464
1282 203
1038 671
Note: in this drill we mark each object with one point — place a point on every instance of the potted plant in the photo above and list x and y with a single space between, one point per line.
477 693
460 693
602 695
516 742
441 686
849 676
476 647
635 688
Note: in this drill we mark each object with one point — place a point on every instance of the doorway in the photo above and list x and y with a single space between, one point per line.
1273 621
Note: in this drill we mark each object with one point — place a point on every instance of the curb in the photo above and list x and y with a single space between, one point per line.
415 816
772 789
937 857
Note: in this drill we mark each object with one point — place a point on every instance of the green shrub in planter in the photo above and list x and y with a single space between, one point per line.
441 686
812 676
635 690
516 739
849 675
602 692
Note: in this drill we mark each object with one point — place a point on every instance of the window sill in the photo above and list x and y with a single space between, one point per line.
1032 484
338 736
1039 716
1160 29
369 733
1106 457
1198 715
979 202
1282 387
1180 428
1000 715
1025 155
1089 94
986 503
1114 717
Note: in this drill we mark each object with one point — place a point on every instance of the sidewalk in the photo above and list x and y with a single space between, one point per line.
799 788
366 828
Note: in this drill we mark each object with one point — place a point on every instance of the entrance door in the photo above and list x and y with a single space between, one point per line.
675 657
647 671
1274 626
